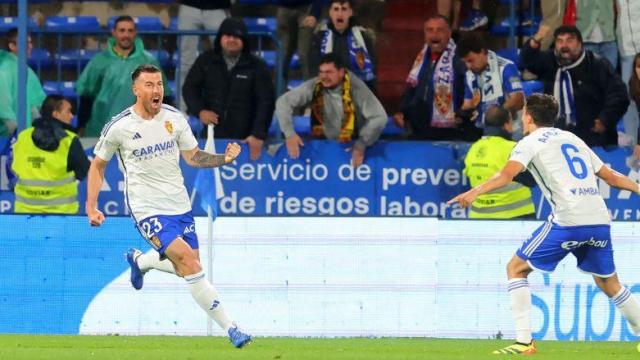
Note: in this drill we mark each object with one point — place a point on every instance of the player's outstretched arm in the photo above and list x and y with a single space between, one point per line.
500 179
94 184
202 159
617 180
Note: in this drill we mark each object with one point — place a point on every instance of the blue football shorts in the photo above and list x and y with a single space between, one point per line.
590 244
161 230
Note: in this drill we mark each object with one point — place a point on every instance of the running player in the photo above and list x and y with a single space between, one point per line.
149 138
565 168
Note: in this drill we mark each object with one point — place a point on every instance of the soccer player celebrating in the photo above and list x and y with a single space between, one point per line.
148 138
565 169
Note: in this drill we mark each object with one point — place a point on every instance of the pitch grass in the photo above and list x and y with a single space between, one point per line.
171 347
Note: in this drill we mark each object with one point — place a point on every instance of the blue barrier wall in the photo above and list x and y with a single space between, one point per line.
310 276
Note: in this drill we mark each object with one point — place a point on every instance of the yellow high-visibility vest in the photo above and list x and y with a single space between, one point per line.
44 186
485 158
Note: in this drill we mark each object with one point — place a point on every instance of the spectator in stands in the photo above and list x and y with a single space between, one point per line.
596 21
488 156
342 108
591 94
490 80
105 84
552 15
629 44
634 92
342 37
435 87
232 89
197 15
47 160
9 86
296 21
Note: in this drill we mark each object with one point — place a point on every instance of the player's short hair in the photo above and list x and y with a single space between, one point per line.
568 29
543 109
471 42
497 116
52 103
123 18
144 68
332 58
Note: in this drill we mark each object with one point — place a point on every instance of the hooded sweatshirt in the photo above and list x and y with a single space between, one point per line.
107 80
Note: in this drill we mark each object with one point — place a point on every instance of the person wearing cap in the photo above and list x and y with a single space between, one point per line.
231 88
104 85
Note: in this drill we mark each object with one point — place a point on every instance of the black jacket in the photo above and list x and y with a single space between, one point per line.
243 98
598 91
417 104
207 4
47 133
341 48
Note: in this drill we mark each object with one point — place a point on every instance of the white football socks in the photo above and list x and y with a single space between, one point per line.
629 308
521 308
151 260
207 297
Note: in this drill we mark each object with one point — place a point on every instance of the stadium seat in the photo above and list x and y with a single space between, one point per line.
261 24
143 23
75 57
162 56
8 22
532 86
301 125
64 88
511 54
76 23
40 58
269 56
173 23
502 28
294 83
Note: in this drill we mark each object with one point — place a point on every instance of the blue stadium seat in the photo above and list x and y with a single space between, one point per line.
64 88
71 58
510 54
503 28
294 83
8 22
172 86
532 86
143 23
162 56
173 23
261 24
77 23
269 56
40 57
301 125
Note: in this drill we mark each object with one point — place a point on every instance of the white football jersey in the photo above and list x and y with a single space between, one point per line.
149 156
564 168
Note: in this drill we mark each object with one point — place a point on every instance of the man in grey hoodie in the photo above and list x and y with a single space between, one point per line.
342 108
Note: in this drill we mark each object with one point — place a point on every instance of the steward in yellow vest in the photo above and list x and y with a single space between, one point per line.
488 156
47 161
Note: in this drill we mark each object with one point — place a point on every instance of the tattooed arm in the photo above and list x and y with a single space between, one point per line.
202 159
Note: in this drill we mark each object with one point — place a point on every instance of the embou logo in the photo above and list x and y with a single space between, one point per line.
570 245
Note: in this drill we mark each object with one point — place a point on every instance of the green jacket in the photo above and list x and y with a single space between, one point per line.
107 79
592 12
9 91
